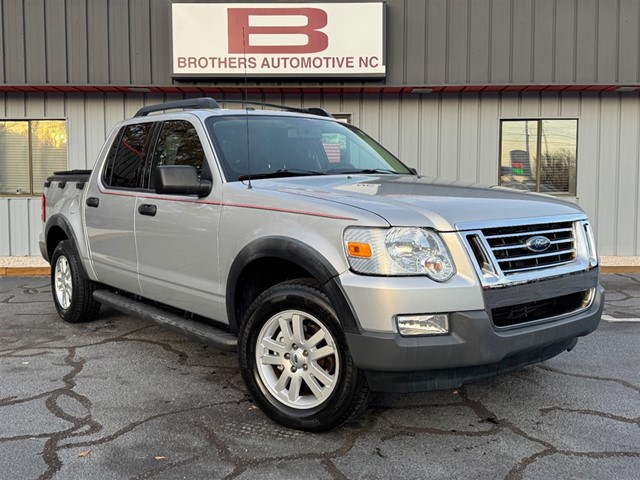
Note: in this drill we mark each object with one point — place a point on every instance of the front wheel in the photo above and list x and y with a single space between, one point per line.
72 290
295 360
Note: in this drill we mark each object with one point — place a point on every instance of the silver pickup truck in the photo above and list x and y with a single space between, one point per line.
331 267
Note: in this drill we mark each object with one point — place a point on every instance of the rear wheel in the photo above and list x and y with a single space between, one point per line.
72 290
295 360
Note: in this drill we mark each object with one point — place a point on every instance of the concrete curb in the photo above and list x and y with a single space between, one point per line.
25 271
620 269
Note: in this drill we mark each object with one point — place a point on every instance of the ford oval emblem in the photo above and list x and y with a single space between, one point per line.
538 244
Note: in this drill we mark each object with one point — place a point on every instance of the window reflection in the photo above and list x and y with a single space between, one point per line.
129 162
178 144
539 155
30 151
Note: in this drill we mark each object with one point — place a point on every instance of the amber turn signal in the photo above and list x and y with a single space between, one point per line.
362 250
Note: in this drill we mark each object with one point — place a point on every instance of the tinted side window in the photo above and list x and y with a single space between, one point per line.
125 170
178 144
111 157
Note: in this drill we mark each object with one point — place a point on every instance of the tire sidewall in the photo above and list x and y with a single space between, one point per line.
335 408
72 314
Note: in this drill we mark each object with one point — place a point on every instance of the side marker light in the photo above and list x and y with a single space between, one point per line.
362 250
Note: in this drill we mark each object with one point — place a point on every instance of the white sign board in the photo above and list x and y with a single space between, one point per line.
278 39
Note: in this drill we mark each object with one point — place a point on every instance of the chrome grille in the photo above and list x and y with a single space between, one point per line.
512 249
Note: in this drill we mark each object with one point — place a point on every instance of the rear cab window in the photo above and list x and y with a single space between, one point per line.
124 168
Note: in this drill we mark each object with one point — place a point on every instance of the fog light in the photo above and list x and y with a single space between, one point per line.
432 324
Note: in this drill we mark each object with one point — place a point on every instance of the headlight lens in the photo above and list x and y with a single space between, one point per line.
398 251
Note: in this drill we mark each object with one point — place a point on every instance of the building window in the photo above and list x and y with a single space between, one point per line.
30 151
539 155
342 117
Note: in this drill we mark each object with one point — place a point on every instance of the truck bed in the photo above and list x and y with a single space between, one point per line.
80 177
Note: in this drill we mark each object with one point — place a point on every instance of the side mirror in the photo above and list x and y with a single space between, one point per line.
180 180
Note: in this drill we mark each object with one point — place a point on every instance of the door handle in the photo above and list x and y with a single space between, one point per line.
93 202
146 209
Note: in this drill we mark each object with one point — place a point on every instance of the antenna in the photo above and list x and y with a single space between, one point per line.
246 111
244 55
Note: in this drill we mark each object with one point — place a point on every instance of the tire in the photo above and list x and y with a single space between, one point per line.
295 361
71 289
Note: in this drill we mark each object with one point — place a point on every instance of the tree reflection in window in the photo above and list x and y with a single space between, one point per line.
539 155
30 151
178 144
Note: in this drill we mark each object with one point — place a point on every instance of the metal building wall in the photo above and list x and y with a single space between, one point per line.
430 42
89 118
449 136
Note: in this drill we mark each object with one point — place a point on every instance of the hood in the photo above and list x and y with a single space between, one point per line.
422 201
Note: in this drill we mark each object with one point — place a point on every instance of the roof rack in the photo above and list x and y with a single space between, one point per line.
312 110
202 102
208 102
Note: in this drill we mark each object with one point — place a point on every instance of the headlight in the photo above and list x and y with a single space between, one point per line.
398 251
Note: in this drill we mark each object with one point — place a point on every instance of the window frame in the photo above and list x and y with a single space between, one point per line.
538 139
152 150
31 193
149 146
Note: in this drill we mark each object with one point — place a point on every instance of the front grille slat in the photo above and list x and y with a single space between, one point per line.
530 233
507 272
540 255
513 254
511 247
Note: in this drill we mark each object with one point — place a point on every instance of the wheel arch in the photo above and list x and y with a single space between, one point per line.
283 259
58 229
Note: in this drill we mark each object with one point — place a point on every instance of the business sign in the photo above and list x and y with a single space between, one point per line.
278 39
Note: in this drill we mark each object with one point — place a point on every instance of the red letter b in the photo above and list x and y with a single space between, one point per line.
240 30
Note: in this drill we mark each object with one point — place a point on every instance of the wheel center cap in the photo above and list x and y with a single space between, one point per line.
297 359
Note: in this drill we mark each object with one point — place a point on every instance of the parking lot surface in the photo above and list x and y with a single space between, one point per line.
118 398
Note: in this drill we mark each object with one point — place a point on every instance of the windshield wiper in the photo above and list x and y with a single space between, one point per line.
280 173
369 170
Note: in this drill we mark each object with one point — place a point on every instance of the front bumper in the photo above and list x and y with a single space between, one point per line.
425 380
475 348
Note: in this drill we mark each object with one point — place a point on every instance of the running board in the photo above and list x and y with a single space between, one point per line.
197 331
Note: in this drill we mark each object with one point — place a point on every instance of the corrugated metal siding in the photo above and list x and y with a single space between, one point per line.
448 136
56 47
457 137
34 41
98 41
89 118
430 42
19 226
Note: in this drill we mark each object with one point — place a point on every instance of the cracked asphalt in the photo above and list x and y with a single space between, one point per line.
117 398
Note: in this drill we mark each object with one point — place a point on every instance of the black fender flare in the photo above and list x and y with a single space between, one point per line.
303 255
61 222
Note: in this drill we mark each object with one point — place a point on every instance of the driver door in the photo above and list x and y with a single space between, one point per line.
176 235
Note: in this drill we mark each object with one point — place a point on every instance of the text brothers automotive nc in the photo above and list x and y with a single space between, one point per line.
335 39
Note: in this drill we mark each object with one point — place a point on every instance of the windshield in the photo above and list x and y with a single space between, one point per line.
286 146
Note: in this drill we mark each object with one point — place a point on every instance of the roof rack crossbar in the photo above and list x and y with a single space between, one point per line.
312 110
202 102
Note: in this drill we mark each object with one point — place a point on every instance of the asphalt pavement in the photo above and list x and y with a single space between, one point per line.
118 398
